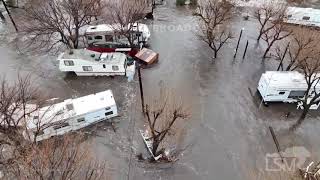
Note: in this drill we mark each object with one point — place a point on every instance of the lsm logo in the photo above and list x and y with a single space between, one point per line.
291 159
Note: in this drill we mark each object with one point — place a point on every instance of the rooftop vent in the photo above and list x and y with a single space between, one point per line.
70 107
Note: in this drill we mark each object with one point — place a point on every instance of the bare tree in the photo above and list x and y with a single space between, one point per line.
302 43
65 158
310 68
277 33
268 12
214 17
123 14
16 103
20 156
165 117
47 24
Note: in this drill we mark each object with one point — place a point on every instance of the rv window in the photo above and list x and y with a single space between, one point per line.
81 119
281 93
89 38
296 94
109 38
108 108
87 68
98 37
68 63
69 107
115 68
306 18
109 113
61 125
104 66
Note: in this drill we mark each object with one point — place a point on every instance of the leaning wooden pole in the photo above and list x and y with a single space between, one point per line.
141 89
245 50
282 58
5 6
275 140
235 54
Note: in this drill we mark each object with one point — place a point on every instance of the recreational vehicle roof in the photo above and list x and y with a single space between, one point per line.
71 108
285 79
113 27
84 54
303 16
101 28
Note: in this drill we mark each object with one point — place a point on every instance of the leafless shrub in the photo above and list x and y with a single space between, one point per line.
214 19
65 158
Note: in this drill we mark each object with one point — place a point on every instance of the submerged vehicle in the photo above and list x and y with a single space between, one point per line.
84 62
71 115
284 86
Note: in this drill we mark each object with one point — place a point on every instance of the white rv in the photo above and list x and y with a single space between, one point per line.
71 115
283 86
104 33
90 63
303 16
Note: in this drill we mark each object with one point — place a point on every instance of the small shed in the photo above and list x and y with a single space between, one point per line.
147 56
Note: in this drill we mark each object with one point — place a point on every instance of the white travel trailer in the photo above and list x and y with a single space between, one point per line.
90 63
71 115
303 16
283 86
104 33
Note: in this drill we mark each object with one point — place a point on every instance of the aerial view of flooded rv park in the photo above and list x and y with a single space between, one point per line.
160 89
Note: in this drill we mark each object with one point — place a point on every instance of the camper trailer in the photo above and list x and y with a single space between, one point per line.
108 33
283 86
90 63
71 115
303 16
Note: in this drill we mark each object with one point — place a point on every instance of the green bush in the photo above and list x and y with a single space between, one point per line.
180 2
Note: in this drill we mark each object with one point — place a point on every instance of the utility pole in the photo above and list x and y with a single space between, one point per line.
235 54
282 58
5 6
141 88
245 50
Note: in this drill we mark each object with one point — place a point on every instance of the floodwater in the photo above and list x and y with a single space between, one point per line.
228 134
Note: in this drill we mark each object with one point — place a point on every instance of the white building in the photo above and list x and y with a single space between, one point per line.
90 63
303 16
104 33
283 86
71 115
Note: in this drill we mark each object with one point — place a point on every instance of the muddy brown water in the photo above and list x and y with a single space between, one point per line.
228 132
